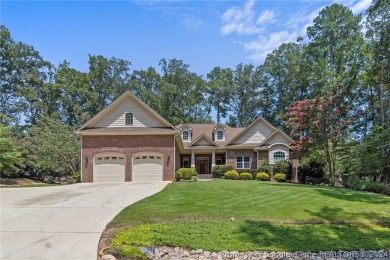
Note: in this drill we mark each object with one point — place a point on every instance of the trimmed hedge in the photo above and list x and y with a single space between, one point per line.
280 177
251 171
232 175
246 176
218 171
262 176
185 174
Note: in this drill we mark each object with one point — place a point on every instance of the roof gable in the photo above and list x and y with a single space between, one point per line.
278 137
114 114
184 126
219 125
203 140
255 133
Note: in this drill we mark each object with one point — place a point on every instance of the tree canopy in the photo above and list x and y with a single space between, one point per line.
330 91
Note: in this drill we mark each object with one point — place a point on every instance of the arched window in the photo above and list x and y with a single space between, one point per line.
129 119
279 156
219 135
185 136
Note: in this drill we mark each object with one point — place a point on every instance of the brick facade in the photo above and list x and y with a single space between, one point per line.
233 154
127 145
262 156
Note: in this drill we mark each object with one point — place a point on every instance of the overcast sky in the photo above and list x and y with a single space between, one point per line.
203 34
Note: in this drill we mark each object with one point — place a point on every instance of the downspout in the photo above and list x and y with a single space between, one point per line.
174 157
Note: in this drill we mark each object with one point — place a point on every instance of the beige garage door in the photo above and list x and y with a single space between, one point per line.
109 168
147 167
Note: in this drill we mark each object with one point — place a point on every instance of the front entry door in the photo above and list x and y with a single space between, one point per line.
202 165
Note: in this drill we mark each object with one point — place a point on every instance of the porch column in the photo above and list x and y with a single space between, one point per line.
212 159
192 160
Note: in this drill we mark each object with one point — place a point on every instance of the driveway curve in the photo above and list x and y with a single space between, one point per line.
63 222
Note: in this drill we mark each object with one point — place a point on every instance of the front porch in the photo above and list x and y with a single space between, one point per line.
203 162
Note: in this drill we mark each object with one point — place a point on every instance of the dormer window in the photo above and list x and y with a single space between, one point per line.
129 119
185 136
220 135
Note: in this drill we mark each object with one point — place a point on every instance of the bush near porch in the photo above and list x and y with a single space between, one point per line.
185 174
283 167
218 171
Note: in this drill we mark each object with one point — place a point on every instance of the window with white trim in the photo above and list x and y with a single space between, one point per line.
279 156
243 162
185 136
219 135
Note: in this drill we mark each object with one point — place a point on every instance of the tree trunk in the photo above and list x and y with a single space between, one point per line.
330 163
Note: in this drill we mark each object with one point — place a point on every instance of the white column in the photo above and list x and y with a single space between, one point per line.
212 159
192 160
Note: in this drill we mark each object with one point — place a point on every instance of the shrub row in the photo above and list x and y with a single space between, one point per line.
234 175
261 176
283 167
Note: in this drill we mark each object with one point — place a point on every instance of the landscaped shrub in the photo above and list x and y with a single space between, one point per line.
281 167
185 173
245 176
251 171
218 171
232 175
262 176
280 177
264 167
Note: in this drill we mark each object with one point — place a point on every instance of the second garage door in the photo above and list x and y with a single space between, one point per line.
147 167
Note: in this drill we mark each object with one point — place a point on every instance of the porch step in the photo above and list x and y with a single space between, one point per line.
204 176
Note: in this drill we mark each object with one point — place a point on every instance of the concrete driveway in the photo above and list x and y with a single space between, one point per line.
63 222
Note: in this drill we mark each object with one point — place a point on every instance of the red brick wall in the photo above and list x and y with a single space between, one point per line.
127 145
177 156
262 156
232 154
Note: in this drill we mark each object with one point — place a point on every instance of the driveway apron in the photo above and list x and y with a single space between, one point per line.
63 222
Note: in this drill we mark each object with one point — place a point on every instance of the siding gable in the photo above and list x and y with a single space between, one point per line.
277 148
116 116
255 134
203 141
278 138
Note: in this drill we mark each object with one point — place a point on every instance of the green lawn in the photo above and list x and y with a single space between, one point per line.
267 217
268 201
250 235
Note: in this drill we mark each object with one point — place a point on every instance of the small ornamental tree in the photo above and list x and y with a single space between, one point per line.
321 121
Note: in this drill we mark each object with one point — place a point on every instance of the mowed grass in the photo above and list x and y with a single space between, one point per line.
252 236
259 201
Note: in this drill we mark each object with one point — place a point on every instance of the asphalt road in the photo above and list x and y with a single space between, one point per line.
63 222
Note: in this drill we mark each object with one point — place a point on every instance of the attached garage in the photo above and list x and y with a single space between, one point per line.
147 167
109 167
